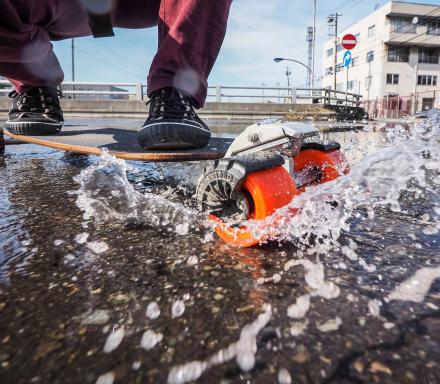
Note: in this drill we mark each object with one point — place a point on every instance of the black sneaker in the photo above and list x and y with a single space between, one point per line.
173 123
35 112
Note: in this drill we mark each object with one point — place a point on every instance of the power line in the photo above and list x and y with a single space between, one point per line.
103 61
354 5
120 58
342 5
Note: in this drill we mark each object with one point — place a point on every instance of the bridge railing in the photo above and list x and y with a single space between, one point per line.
217 93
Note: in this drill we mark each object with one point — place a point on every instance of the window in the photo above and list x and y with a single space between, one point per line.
427 80
372 31
429 56
434 28
330 52
403 25
370 56
398 54
368 81
392 78
350 85
339 48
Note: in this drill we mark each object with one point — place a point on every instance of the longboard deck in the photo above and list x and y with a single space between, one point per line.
120 142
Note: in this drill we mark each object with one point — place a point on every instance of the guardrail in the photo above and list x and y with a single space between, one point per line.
218 93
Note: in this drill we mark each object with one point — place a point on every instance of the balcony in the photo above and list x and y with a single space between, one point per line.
429 60
426 35
398 54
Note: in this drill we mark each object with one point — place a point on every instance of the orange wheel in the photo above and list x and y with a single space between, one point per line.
330 165
265 191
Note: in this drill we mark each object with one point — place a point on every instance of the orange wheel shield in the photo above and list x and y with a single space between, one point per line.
330 164
267 191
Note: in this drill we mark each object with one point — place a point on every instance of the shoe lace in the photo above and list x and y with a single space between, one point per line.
31 103
176 106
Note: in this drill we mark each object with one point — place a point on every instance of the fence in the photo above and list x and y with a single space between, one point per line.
401 106
218 93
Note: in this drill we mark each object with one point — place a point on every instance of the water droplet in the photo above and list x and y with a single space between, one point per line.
153 310
177 309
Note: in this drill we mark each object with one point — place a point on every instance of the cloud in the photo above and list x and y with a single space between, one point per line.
257 33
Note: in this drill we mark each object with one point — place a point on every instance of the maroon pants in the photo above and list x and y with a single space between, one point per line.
191 33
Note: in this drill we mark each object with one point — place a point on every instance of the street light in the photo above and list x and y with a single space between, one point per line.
280 59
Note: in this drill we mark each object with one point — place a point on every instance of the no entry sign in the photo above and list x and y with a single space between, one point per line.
349 42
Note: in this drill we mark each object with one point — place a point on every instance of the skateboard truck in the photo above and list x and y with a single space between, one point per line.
271 135
264 168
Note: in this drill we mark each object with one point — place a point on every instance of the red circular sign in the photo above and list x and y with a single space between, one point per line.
349 41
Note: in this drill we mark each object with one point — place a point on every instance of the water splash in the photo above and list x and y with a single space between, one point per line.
314 222
106 195
378 181
416 287
243 350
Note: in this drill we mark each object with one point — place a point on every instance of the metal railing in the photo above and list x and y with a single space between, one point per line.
429 59
218 93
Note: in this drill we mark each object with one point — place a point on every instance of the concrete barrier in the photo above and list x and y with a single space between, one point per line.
138 109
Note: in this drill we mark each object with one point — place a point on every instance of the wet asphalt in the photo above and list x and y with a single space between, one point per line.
60 298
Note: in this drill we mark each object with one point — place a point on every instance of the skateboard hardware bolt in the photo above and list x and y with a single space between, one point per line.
254 138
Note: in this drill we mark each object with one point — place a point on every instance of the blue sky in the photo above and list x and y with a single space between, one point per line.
258 31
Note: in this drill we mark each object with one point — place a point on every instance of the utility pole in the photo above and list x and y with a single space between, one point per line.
73 58
309 40
314 43
288 73
73 64
333 21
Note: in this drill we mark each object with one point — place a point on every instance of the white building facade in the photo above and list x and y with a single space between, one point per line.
396 64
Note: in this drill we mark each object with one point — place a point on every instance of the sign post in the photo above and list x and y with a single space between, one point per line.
349 42
347 61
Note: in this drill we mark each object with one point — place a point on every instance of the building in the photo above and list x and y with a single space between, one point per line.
396 62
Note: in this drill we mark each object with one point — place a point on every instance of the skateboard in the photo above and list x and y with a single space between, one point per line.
121 143
248 178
